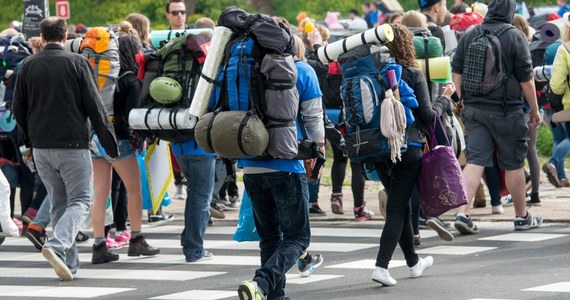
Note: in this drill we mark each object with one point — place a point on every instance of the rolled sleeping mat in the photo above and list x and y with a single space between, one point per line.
161 119
381 34
552 31
159 38
73 45
439 68
201 98
542 73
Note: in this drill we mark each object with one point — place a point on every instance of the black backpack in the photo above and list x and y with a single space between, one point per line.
482 67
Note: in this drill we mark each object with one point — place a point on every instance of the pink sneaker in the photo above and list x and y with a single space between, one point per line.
19 225
122 237
29 215
112 245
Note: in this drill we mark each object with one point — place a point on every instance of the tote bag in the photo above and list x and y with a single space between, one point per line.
441 184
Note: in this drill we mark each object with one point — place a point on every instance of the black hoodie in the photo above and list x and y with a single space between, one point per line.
515 57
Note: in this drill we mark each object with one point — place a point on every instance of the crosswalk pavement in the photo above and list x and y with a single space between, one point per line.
167 276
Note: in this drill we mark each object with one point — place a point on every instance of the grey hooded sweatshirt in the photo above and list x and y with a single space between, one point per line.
515 57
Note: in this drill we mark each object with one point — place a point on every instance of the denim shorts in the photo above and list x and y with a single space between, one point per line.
126 150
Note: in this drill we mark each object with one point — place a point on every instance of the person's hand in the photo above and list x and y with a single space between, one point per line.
449 90
315 38
535 118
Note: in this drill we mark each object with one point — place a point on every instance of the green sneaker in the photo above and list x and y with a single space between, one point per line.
248 290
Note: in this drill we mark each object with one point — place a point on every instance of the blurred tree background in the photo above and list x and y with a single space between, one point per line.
104 12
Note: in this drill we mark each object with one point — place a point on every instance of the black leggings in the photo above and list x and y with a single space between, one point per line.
399 180
120 203
338 172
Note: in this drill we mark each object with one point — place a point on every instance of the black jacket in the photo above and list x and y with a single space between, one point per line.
126 98
55 94
515 58
425 113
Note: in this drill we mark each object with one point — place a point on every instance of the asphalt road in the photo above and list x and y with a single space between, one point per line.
498 263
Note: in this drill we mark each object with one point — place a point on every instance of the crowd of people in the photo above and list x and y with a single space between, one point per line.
82 156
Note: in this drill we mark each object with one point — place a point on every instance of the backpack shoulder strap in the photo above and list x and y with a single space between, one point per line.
502 29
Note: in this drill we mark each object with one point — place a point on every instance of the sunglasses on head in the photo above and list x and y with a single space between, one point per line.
178 12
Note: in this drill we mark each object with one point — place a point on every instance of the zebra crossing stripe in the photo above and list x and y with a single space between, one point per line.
177 259
119 274
523 237
58 291
198 295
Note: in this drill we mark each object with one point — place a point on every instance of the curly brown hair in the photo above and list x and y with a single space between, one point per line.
402 47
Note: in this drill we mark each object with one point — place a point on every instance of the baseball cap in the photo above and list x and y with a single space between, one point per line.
427 3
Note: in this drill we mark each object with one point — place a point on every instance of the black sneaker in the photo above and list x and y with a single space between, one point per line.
138 246
315 209
216 211
81 237
465 226
37 238
534 200
102 255
309 264
159 219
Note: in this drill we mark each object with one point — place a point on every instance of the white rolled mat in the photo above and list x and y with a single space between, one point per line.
160 118
201 98
381 34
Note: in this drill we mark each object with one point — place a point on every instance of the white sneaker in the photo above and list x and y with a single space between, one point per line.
57 264
179 192
382 276
422 265
497 210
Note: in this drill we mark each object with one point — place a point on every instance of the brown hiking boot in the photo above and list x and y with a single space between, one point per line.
551 174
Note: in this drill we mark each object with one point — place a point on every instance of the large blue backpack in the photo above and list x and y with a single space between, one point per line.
363 90
254 102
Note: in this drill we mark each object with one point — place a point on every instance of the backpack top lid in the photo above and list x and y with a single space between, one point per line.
461 22
379 55
100 40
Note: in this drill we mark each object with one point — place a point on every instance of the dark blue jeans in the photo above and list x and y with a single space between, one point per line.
280 210
399 180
